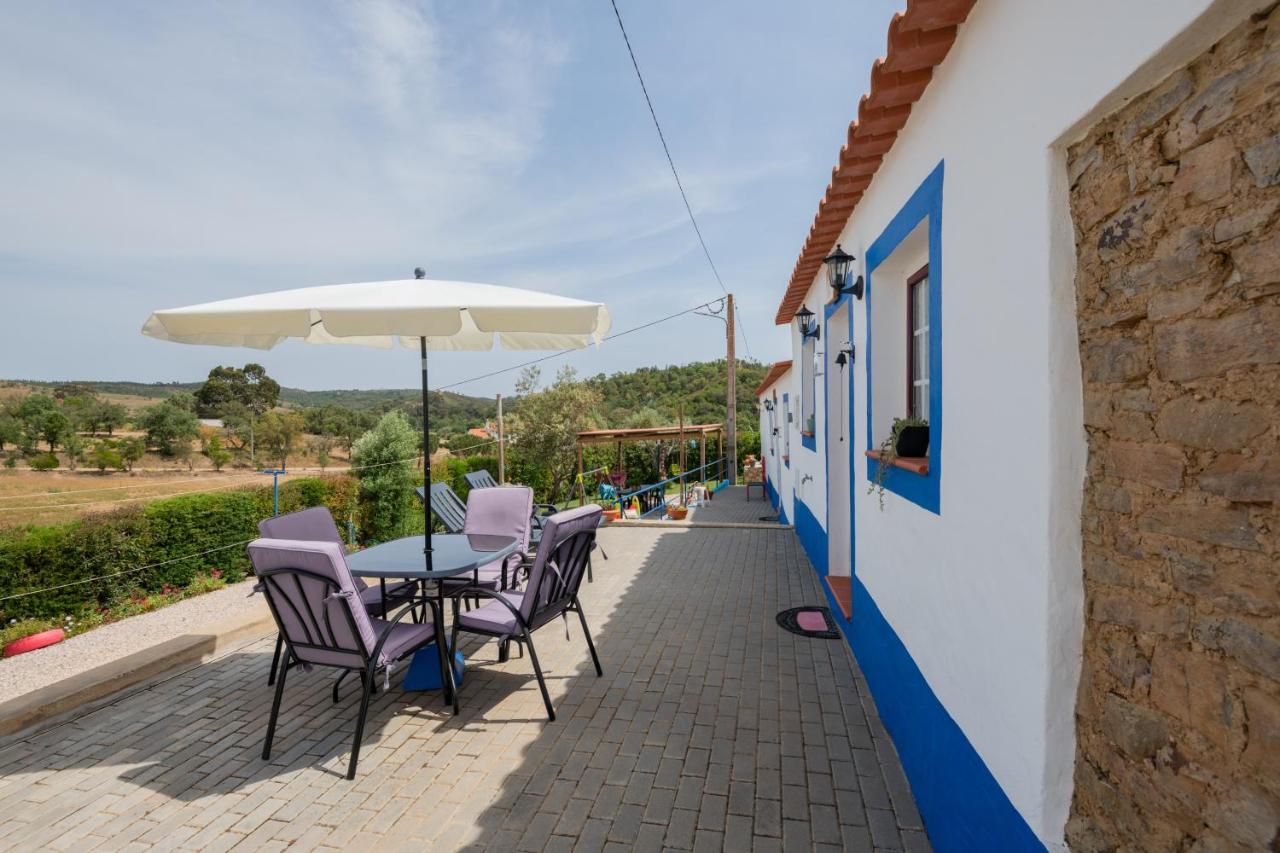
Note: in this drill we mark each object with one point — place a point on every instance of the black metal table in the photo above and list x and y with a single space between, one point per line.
453 554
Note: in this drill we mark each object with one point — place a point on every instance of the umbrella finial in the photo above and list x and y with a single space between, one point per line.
419 272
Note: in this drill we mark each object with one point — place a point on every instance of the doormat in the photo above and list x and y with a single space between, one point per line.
809 622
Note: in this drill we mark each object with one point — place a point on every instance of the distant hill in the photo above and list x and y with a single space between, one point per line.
700 386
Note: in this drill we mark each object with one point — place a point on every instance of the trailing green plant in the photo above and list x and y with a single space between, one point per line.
889 454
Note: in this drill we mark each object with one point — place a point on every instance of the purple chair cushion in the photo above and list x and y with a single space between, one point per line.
493 617
556 528
405 637
312 525
502 511
308 611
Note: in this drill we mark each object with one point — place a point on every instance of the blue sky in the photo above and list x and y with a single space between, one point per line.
157 155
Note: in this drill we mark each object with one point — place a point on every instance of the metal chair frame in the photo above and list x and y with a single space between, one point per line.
561 599
322 638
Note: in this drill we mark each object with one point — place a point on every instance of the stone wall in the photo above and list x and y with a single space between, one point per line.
1175 200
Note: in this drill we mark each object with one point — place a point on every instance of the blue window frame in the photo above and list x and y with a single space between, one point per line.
925 203
786 430
808 394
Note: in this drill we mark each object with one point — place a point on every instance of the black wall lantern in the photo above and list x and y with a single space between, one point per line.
807 325
838 263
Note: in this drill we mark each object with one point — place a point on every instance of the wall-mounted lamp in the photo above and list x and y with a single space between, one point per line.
768 405
845 356
808 327
838 263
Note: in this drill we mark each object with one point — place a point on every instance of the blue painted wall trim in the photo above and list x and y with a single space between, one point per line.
926 201
845 300
771 492
812 537
963 806
786 426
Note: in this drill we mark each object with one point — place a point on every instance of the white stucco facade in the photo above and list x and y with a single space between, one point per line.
986 593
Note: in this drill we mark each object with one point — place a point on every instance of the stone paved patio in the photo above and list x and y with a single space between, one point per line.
731 504
712 729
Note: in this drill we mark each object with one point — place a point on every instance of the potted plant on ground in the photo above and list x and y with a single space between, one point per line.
611 510
908 439
677 512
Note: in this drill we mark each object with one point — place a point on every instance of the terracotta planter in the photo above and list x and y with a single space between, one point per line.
612 514
677 513
34 641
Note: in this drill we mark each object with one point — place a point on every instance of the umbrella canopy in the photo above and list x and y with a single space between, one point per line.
420 313
452 315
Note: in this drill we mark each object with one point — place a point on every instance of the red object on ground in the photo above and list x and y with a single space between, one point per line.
35 641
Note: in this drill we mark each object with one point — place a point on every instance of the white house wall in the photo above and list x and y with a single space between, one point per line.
986 594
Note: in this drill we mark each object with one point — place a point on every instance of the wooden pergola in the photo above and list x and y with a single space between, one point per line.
679 432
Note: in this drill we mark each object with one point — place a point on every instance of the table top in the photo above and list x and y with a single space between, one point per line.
452 554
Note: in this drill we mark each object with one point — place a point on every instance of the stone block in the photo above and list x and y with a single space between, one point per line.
1193 348
1152 464
1250 646
1213 424
1258 262
1263 161
1192 688
1243 222
1119 360
1168 304
1138 732
1226 526
1112 498
1204 172
1137 613
1247 816
1245 479
1262 750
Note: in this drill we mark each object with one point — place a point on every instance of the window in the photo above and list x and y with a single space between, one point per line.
918 344
786 429
808 391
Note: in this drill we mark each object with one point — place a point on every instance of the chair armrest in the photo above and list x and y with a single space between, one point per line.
395 620
488 593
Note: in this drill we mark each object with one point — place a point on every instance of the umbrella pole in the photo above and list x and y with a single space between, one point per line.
426 455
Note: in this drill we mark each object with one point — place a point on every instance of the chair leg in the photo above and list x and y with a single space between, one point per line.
275 660
542 684
446 665
590 575
338 684
587 633
364 712
275 714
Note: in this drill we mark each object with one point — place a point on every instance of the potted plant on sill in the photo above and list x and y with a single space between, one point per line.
908 439
809 425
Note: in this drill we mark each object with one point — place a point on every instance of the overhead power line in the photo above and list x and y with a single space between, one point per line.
564 352
674 172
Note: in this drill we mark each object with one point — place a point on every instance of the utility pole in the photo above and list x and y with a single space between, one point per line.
733 396
502 447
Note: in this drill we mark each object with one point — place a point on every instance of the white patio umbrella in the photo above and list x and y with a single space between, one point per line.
419 313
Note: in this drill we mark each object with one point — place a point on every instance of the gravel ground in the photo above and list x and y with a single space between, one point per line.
24 673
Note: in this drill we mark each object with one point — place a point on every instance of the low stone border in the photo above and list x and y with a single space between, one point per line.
87 691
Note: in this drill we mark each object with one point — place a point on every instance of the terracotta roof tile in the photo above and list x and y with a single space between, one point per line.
779 368
918 40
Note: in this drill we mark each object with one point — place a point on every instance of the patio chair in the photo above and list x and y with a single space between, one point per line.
481 479
316 525
446 506
500 511
552 591
315 602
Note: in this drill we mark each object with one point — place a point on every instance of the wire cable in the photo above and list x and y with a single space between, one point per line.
672 163
615 336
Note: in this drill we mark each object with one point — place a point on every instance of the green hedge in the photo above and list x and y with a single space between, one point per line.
164 531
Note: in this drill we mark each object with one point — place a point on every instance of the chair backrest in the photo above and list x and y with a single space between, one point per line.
312 525
481 479
502 511
314 600
561 562
446 506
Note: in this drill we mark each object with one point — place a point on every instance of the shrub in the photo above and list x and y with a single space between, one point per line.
382 459
43 462
114 545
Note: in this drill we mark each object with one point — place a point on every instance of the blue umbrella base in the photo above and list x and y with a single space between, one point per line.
424 670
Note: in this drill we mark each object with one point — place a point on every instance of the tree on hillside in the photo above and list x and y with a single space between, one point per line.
249 386
10 430
218 455
75 447
54 428
546 425
106 454
278 432
168 427
383 459
132 449
105 416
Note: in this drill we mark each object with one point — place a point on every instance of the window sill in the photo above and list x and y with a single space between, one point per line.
841 587
914 464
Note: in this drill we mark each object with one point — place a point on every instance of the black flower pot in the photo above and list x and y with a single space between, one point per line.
912 441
